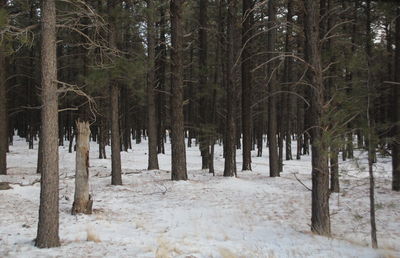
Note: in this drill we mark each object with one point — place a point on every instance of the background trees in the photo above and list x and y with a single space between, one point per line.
167 70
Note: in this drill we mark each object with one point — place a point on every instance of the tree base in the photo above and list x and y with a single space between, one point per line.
82 207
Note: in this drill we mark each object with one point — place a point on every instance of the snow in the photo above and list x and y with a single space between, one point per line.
151 216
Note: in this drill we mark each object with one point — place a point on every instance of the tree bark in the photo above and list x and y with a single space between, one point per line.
48 225
151 83
288 70
272 123
371 134
116 178
230 131
82 199
160 72
247 32
320 218
178 157
396 114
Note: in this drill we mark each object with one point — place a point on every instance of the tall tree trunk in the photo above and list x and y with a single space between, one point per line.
82 199
116 178
203 86
320 218
370 125
330 45
396 114
178 157
151 83
272 123
161 66
47 234
288 80
247 32
230 131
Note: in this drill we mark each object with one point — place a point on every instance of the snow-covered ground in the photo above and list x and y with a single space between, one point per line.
150 216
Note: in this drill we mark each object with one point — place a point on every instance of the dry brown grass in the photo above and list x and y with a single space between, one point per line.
92 236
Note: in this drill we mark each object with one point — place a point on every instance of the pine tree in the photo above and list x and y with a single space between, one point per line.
47 234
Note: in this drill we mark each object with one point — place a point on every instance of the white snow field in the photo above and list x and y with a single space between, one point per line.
252 215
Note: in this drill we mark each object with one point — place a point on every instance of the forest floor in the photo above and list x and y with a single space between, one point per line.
252 215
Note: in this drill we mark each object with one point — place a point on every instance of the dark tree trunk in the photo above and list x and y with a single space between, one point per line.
371 125
151 83
160 72
288 80
272 123
102 137
203 86
116 178
230 131
320 218
396 114
333 155
178 157
47 234
247 32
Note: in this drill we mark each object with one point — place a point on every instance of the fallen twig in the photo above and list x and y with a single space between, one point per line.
301 182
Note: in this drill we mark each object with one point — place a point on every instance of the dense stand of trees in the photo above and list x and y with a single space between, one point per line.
323 73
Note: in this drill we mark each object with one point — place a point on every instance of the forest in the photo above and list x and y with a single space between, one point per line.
199 128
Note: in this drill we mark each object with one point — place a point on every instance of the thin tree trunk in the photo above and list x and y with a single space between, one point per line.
396 115
178 157
272 123
203 86
151 83
288 80
47 234
371 126
82 199
116 178
161 66
247 32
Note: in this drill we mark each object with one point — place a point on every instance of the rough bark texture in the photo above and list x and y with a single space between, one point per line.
272 123
230 133
246 82
47 234
178 170
396 114
116 178
151 83
320 219
82 200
